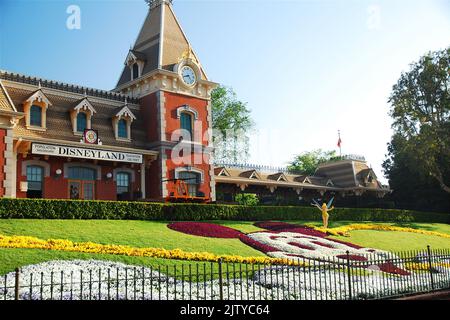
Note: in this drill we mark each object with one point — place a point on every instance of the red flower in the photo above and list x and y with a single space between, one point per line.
352 257
205 230
256 244
287 227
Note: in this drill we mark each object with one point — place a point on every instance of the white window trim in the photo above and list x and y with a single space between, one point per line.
39 97
69 165
188 109
190 169
131 172
38 163
124 114
86 107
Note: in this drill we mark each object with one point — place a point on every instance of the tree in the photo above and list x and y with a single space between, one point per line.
421 112
307 162
232 123
412 188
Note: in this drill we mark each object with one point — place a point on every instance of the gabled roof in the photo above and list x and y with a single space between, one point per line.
136 55
251 174
278 177
85 105
125 112
6 103
221 172
160 43
39 96
303 179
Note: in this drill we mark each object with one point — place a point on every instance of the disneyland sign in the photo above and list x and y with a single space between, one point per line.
85 153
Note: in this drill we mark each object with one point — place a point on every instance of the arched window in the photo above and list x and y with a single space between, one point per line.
192 180
122 129
81 173
36 116
123 184
35 177
135 69
186 124
81 122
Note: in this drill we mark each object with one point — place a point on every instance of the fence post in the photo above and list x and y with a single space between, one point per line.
16 287
349 275
220 279
430 266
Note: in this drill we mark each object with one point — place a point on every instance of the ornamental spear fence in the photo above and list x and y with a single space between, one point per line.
404 273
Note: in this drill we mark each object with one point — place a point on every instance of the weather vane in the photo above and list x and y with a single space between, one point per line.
154 3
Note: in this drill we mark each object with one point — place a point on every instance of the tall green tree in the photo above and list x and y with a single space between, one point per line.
421 112
412 187
232 124
307 162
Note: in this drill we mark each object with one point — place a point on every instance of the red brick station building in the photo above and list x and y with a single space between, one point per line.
62 141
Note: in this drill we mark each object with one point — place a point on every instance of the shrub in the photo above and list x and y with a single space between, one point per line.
247 199
76 209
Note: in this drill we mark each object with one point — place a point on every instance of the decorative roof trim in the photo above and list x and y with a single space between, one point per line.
40 97
84 105
50 84
8 97
125 112
224 173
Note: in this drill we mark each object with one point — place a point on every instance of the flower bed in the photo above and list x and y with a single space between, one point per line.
95 248
344 230
106 280
205 230
287 227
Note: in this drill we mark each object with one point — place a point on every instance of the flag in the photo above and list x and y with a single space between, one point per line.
339 142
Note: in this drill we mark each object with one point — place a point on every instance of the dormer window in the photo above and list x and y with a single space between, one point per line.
36 116
135 61
122 129
122 121
81 122
81 116
135 70
35 109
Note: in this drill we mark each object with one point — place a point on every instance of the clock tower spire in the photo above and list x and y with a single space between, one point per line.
165 74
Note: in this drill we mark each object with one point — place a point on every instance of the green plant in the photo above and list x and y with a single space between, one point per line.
247 199
111 210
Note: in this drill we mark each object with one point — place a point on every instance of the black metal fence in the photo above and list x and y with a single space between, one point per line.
345 278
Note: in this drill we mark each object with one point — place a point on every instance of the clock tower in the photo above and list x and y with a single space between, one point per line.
164 73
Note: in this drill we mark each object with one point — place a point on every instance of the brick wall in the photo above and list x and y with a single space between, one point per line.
2 161
57 187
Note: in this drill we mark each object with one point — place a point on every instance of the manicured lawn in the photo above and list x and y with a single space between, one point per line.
133 233
156 234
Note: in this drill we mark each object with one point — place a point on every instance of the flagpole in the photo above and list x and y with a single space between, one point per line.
340 146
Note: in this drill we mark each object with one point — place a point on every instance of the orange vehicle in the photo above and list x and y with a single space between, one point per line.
180 193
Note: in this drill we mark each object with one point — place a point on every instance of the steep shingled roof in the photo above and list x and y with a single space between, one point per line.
160 43
6 103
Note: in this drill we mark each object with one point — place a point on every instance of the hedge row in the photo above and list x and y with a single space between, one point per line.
72 209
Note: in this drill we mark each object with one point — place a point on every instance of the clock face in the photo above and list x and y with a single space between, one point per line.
188 75
91 136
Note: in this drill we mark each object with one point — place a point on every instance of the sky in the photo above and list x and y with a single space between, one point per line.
306 68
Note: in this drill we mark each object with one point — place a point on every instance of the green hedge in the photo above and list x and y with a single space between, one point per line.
71 209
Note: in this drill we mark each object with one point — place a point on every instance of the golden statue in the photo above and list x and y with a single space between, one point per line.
325 208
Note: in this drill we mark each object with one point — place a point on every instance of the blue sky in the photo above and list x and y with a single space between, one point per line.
306 68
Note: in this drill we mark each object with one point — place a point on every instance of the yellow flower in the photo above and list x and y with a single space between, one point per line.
90 247
344 230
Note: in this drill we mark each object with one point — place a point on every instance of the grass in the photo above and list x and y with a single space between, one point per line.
156 234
